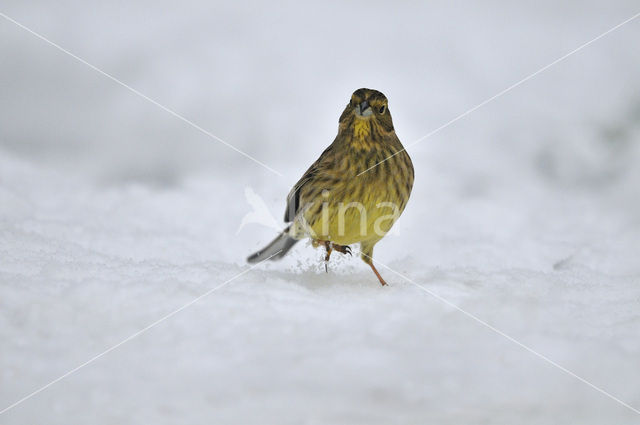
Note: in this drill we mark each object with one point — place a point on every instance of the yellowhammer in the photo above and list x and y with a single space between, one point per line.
355 191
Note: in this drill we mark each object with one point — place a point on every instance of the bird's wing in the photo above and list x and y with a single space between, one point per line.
293 199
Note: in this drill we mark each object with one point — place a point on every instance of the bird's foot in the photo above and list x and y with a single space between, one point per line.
382 282
343 249
329 248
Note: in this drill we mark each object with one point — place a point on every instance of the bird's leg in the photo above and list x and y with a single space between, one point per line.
367 258
366 252
343 249
382 282
329 248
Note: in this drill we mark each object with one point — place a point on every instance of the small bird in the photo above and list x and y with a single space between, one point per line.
355 191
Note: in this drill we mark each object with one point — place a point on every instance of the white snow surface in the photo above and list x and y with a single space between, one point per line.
525 216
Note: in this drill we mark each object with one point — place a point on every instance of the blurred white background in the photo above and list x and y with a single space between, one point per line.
113 213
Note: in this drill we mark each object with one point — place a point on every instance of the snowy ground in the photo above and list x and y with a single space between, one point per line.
113 214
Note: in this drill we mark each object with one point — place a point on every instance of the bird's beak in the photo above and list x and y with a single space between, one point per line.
363 109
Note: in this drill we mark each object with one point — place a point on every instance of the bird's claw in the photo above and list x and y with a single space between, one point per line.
330 247
343 249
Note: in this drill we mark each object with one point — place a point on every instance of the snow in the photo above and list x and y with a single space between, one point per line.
114 214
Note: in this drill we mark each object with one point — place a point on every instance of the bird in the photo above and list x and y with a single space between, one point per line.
355 191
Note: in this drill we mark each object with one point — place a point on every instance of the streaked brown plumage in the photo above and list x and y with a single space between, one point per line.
363 173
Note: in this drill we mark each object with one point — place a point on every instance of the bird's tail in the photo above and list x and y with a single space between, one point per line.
277 249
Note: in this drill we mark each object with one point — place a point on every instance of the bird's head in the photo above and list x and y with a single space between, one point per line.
366 113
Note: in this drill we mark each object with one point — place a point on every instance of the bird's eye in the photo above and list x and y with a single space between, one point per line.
382 109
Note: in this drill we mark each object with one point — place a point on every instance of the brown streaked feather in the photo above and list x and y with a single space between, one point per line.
293 198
